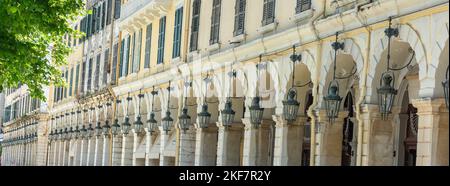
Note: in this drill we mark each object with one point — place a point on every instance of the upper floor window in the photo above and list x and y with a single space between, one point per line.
239 17
177 33
302 5
161 40
268 12
195 25
148 46
215 22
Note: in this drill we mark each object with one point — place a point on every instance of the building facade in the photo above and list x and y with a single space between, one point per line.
243 83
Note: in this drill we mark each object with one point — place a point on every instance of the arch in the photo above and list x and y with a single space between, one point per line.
406 34
442 35
352 49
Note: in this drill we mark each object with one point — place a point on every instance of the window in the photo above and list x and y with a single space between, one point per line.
161 39
124 56
108 14
89 75
83 76
195 25
268 12
105 67
215 22
132 57
66 76
177 33
71 82
75 39
148 46
103 15
302 5
137 40
76 78
239 17
114 65
122 61
97 72
117 9
89 26
94 20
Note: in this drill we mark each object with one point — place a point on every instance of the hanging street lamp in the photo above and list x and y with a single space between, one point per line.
204 116
291 105
227 114
184 118
445 86
152 124
167 121
98 128
83 132
333 100
386 91
138 125
126 125
106 127
256 111
115 128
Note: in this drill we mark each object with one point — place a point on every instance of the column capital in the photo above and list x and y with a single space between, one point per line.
429 106
322 115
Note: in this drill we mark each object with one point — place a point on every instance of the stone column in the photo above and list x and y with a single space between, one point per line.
77 153
164 140
56 157
65 153
90 152
378 137
256 144
229 144
106 151
84 151
432 138
288 141
117 150
206 146
186 154
98 151
127 150
330 140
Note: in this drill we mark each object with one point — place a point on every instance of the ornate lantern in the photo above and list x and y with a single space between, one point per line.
83 132
184 118
126 125
115 128
152 124
291 106
106 127
76 133
256 111
167 121
333 100
98 129
227 114
90 131
386 91
204 116
445 86
138 125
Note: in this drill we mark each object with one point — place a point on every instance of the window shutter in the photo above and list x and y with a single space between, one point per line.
83 73
71 82
177 33
133 58
94 20
215 22
108 13
127 55
89 78
117 7
161 39
103 17
268 12
121 69
239 19
76 78
97 72
195 25
114 65
148 42
302 5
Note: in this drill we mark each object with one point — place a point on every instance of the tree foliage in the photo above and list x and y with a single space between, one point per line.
32 46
